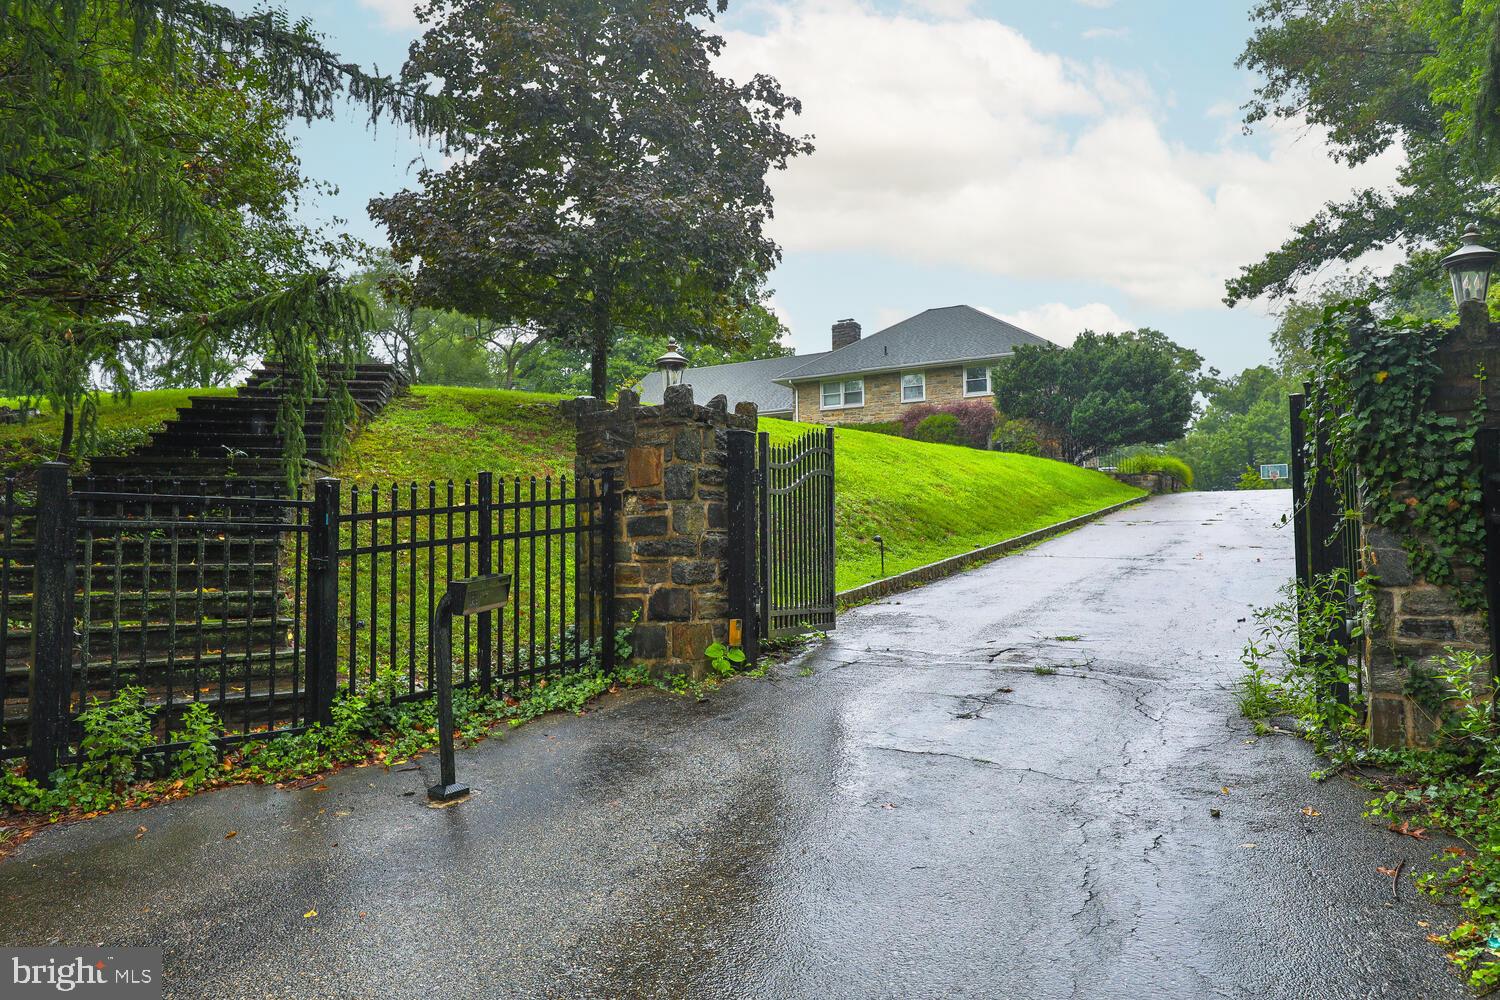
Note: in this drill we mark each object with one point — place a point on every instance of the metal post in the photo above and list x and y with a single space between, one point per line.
1488 443
323 601
763 512
52 623
609 517
741 490
447 787
486 556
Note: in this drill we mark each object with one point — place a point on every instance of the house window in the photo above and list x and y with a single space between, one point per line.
977 381
837 395
913 387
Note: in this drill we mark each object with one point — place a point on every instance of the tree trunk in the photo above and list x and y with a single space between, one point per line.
599 366
65 447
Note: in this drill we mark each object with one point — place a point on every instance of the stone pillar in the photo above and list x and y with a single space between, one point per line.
1416 621
671 540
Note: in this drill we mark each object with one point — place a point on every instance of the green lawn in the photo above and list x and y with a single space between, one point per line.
443 432
931 501
124 425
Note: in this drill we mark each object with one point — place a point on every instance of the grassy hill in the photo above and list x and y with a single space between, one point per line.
123 426
445 432
931 501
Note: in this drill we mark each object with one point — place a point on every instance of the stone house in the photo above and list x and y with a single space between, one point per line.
939 356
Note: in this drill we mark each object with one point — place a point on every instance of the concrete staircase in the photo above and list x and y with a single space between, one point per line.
229 443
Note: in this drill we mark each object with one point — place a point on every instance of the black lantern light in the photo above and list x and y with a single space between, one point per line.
672 364
1469 267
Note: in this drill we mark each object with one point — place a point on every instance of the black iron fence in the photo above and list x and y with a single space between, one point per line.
797 586
17 612
264 607
1326 525
400 547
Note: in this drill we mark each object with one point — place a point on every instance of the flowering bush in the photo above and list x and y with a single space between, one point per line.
975 419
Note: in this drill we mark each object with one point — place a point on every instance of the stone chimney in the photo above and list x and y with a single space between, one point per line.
845 332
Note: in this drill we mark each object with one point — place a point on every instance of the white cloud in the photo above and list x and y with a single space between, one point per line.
1096 4
1095 34
394 14
1062 323
958 142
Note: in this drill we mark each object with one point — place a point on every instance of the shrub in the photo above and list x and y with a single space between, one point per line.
115 734
940 428
1250 480
1168 464
1017 436
197 763
891 427
975 419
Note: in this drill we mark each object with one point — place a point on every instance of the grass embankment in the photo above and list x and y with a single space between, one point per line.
442 432
932 501
435 436
124 425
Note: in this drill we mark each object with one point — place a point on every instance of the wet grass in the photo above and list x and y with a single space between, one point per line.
932 501
124 425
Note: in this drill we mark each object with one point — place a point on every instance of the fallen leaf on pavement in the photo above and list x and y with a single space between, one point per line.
1457 852
1407 830
140 832
231 834
1387 872
1310 811
309 914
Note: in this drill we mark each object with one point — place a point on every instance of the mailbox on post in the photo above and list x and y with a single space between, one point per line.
470 596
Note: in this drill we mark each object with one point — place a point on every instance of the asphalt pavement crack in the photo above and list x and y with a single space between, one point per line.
984 762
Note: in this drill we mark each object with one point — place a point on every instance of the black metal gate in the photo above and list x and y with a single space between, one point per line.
797 591
1325 525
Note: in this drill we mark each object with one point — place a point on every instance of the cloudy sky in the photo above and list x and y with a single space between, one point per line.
1066 164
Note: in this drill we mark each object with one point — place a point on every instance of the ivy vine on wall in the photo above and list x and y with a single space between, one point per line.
1418 469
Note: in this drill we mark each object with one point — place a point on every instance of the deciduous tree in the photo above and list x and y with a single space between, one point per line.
1104 391
605 177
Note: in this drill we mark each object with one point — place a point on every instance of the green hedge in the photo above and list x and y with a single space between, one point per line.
1158 463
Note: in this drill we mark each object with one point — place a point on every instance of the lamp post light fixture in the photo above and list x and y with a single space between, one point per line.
1469 266
672 364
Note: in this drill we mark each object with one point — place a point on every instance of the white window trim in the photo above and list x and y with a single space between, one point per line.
823 404
988 383
901 387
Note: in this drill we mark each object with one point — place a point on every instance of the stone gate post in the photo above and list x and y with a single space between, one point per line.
1414 620
671 539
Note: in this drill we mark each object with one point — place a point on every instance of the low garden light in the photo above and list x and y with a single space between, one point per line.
672 364
1469 266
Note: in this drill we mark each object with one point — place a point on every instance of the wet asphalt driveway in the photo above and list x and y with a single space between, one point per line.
998 786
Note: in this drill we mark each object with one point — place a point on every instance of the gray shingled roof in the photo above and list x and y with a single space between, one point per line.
950 335
744 381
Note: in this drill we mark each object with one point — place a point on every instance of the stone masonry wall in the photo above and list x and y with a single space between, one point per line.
670 546
1414 621
1155 483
